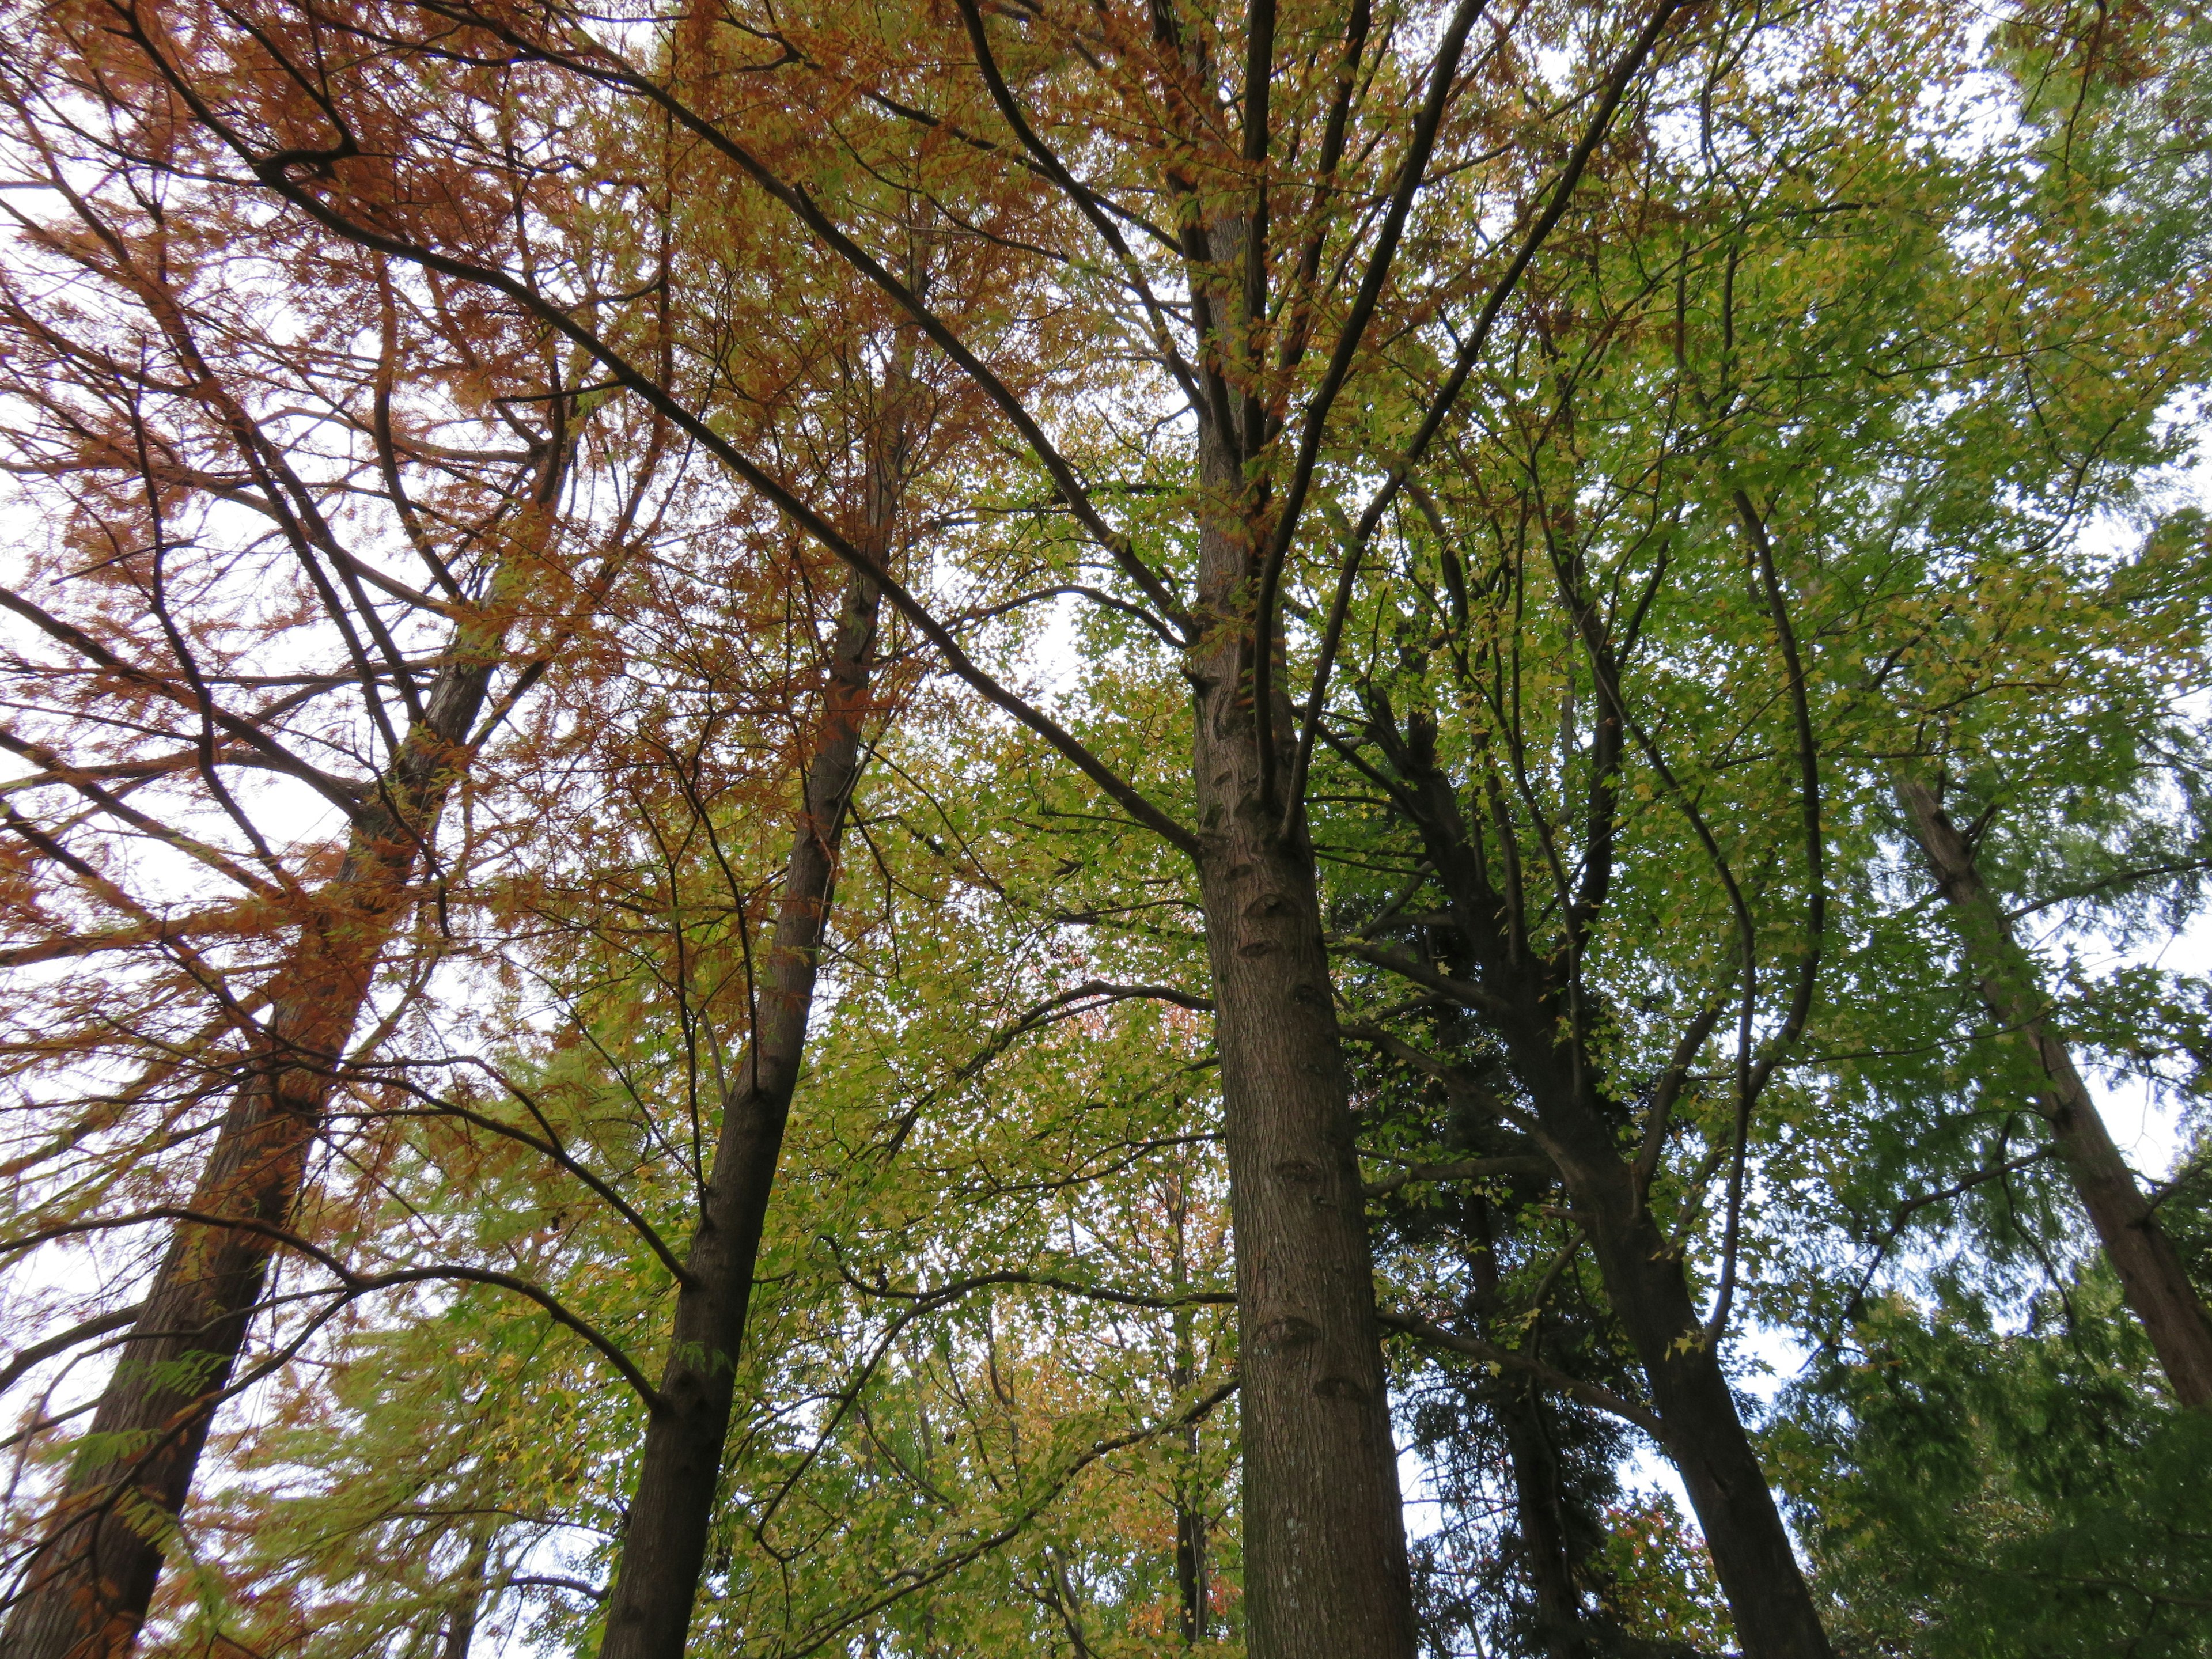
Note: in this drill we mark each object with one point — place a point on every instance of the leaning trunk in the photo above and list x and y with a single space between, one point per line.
2142 1255
1326 1574
1650 1293
1538 1507
1539 1502
88 1586
1191 1587
663 1547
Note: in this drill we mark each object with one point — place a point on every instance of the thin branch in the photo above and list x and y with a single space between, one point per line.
1589 1393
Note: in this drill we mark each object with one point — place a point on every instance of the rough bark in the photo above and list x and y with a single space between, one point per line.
2142 1255
86 1589
663 1547
1325 1572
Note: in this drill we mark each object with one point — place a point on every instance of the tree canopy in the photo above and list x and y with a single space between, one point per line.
1329 831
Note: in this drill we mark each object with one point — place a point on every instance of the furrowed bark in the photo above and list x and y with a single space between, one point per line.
1325 1572
85 1589
2142 1255
663 1547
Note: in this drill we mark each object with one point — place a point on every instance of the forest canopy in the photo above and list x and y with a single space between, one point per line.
1323 829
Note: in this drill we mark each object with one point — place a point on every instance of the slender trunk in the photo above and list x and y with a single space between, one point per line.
1650 1293
1326 1573
1647 1285
664 1546
88 1585
2142 1255
1191 1587
1192 1597
1539 1504
468 1603
1541 1513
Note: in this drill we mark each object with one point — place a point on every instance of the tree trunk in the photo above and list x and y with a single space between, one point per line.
1539 1504
1646 1284
1193 1591
664 1546
1650 1294
1325 1572
1538 1508
87 1587
468 1603
1191 1586
2149 1268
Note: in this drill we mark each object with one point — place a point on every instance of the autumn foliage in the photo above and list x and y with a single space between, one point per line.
1100 829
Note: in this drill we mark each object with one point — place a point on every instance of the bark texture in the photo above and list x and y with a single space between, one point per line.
663 1547
1325 1572
86 1589
2151 1275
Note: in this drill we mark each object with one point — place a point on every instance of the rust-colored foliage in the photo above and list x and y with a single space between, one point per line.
380 652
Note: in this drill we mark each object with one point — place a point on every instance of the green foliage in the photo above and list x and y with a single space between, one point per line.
1972 1484
1857 369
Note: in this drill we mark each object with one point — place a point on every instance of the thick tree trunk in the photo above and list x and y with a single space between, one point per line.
86 1589
2149 1268
663 1547
1325 1566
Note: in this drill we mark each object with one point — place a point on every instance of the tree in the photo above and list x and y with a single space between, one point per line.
320 528
1324 1546
1617 708
1682 421
2134 1242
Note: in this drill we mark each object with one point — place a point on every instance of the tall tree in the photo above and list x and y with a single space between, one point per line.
1240 133
321 530
1600 447
2149 1268
1604 712
670 1513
